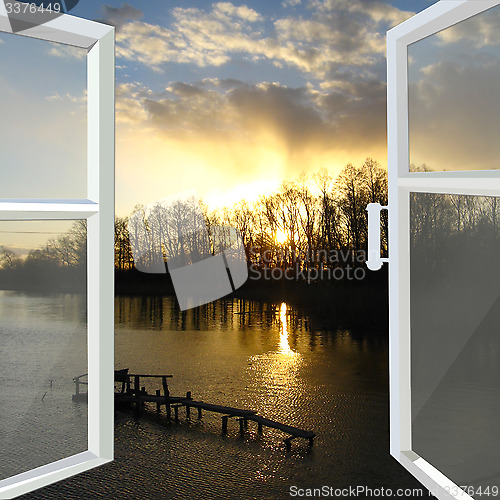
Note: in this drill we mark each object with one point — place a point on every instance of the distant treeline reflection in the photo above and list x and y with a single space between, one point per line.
235 314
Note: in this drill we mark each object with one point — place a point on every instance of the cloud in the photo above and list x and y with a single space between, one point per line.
129 102
118 16
218 133
78 100
155 46
339 33
480 31
455 116
339 111
336 33
227 11
227 137
67 51
54 164
294 120
454 110
196 36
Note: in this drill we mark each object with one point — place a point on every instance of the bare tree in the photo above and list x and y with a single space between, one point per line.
352 200
123 253
8 258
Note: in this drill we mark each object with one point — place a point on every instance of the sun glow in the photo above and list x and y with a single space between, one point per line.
281 237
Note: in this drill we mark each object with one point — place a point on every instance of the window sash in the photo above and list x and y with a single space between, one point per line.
98 210
439 16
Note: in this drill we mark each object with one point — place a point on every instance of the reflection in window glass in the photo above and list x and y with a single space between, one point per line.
43 127
455 341
453 96
43 342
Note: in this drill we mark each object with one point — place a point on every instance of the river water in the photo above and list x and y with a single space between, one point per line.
283 362
43 344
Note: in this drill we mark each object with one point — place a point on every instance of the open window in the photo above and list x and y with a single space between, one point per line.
56 299
444 203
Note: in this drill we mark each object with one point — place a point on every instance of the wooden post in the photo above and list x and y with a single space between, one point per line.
167 396
259 427
224 424
188 408
137 393
158 403
245 421
311 441
242 429
176 412
128 384
199 413
288 443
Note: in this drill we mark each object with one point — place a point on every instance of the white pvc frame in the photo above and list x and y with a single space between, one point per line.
439 16
98 210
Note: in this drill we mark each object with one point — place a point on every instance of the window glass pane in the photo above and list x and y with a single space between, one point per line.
455 341
43 126
454 97
43 342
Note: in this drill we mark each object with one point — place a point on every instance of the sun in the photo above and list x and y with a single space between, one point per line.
281 236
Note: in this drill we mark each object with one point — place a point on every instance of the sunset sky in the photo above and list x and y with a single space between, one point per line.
227 98
230 98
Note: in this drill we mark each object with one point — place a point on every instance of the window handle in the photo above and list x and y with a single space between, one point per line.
374 261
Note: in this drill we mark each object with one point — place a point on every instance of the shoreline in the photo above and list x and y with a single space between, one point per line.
346 303
343 303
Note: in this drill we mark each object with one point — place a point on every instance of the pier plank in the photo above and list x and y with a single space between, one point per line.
294 431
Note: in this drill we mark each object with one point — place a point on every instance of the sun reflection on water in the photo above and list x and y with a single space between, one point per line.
275 381
284 346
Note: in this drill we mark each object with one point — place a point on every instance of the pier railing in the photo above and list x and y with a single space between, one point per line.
78 382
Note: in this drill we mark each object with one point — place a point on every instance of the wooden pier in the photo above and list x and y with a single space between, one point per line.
131 392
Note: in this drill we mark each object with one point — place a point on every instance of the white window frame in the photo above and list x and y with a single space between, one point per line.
439 16
98 210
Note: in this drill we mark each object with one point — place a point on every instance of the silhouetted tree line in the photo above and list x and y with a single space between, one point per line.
308 222
59 265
